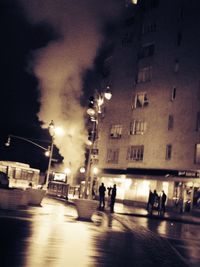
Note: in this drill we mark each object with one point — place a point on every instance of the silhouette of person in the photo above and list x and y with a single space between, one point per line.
112 198
150 201
163 201
155 200
102 190
109 195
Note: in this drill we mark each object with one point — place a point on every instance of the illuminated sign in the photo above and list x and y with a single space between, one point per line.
188 174
59 176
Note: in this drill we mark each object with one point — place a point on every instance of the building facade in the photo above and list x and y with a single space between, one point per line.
149 137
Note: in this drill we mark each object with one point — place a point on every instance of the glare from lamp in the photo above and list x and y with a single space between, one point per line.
95 170
108 94
67 171
47 153
90 111
82 170
59 131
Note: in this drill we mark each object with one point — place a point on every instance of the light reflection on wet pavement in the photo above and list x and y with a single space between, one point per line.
52 236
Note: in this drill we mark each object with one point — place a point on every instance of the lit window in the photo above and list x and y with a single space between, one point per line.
144 74
112 155
141 100
135 153
197 154
170 122
146 51
198 121
168 152
137 127
116 131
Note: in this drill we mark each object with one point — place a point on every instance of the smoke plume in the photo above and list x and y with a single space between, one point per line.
60 65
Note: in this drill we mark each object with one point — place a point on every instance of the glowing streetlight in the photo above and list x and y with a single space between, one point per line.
52 134
82 170
94 110
67 171
59 131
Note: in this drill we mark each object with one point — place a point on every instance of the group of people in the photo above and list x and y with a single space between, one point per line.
156 202
112 192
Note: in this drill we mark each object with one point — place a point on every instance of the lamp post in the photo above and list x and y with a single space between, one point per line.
52 134
48 151
94 111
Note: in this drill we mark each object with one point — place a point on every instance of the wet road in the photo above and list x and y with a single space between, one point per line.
52 236
185 238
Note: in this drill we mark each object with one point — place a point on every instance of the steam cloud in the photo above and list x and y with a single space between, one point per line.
60 65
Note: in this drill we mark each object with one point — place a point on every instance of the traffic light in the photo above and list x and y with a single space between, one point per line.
91 136
91 102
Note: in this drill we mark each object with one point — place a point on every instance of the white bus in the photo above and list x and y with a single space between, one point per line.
20 175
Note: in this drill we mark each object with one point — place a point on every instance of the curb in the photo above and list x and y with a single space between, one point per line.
156 217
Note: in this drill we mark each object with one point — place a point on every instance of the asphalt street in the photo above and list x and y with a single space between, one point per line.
51 235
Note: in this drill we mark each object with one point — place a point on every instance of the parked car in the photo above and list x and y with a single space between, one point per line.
4 181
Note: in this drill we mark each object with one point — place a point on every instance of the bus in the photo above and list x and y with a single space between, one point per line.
58 185
20 175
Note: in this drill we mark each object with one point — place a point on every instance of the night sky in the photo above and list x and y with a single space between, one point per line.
20 92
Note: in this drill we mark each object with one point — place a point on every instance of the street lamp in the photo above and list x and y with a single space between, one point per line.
94 111
52 134
48 151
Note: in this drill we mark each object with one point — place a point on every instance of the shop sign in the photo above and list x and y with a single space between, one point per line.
188 174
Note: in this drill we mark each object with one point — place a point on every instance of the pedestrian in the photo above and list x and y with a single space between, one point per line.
163 202
150 202
155 200
102 191
112 198
109 195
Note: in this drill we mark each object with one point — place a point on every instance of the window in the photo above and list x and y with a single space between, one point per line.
135 153
141 100
144 74
176 65
173 95
180 13
129 21
149 27
168 152
197 154
112 155
148 4
198 121
127 39
147 51
116 131
179 38
137 127
170 122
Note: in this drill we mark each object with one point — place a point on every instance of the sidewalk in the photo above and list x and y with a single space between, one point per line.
192 217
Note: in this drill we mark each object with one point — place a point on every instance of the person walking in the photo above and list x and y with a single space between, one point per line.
150 202
155 201
112 198
163 202
109 195
102 191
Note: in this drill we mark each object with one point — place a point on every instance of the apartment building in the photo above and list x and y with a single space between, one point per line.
149 136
